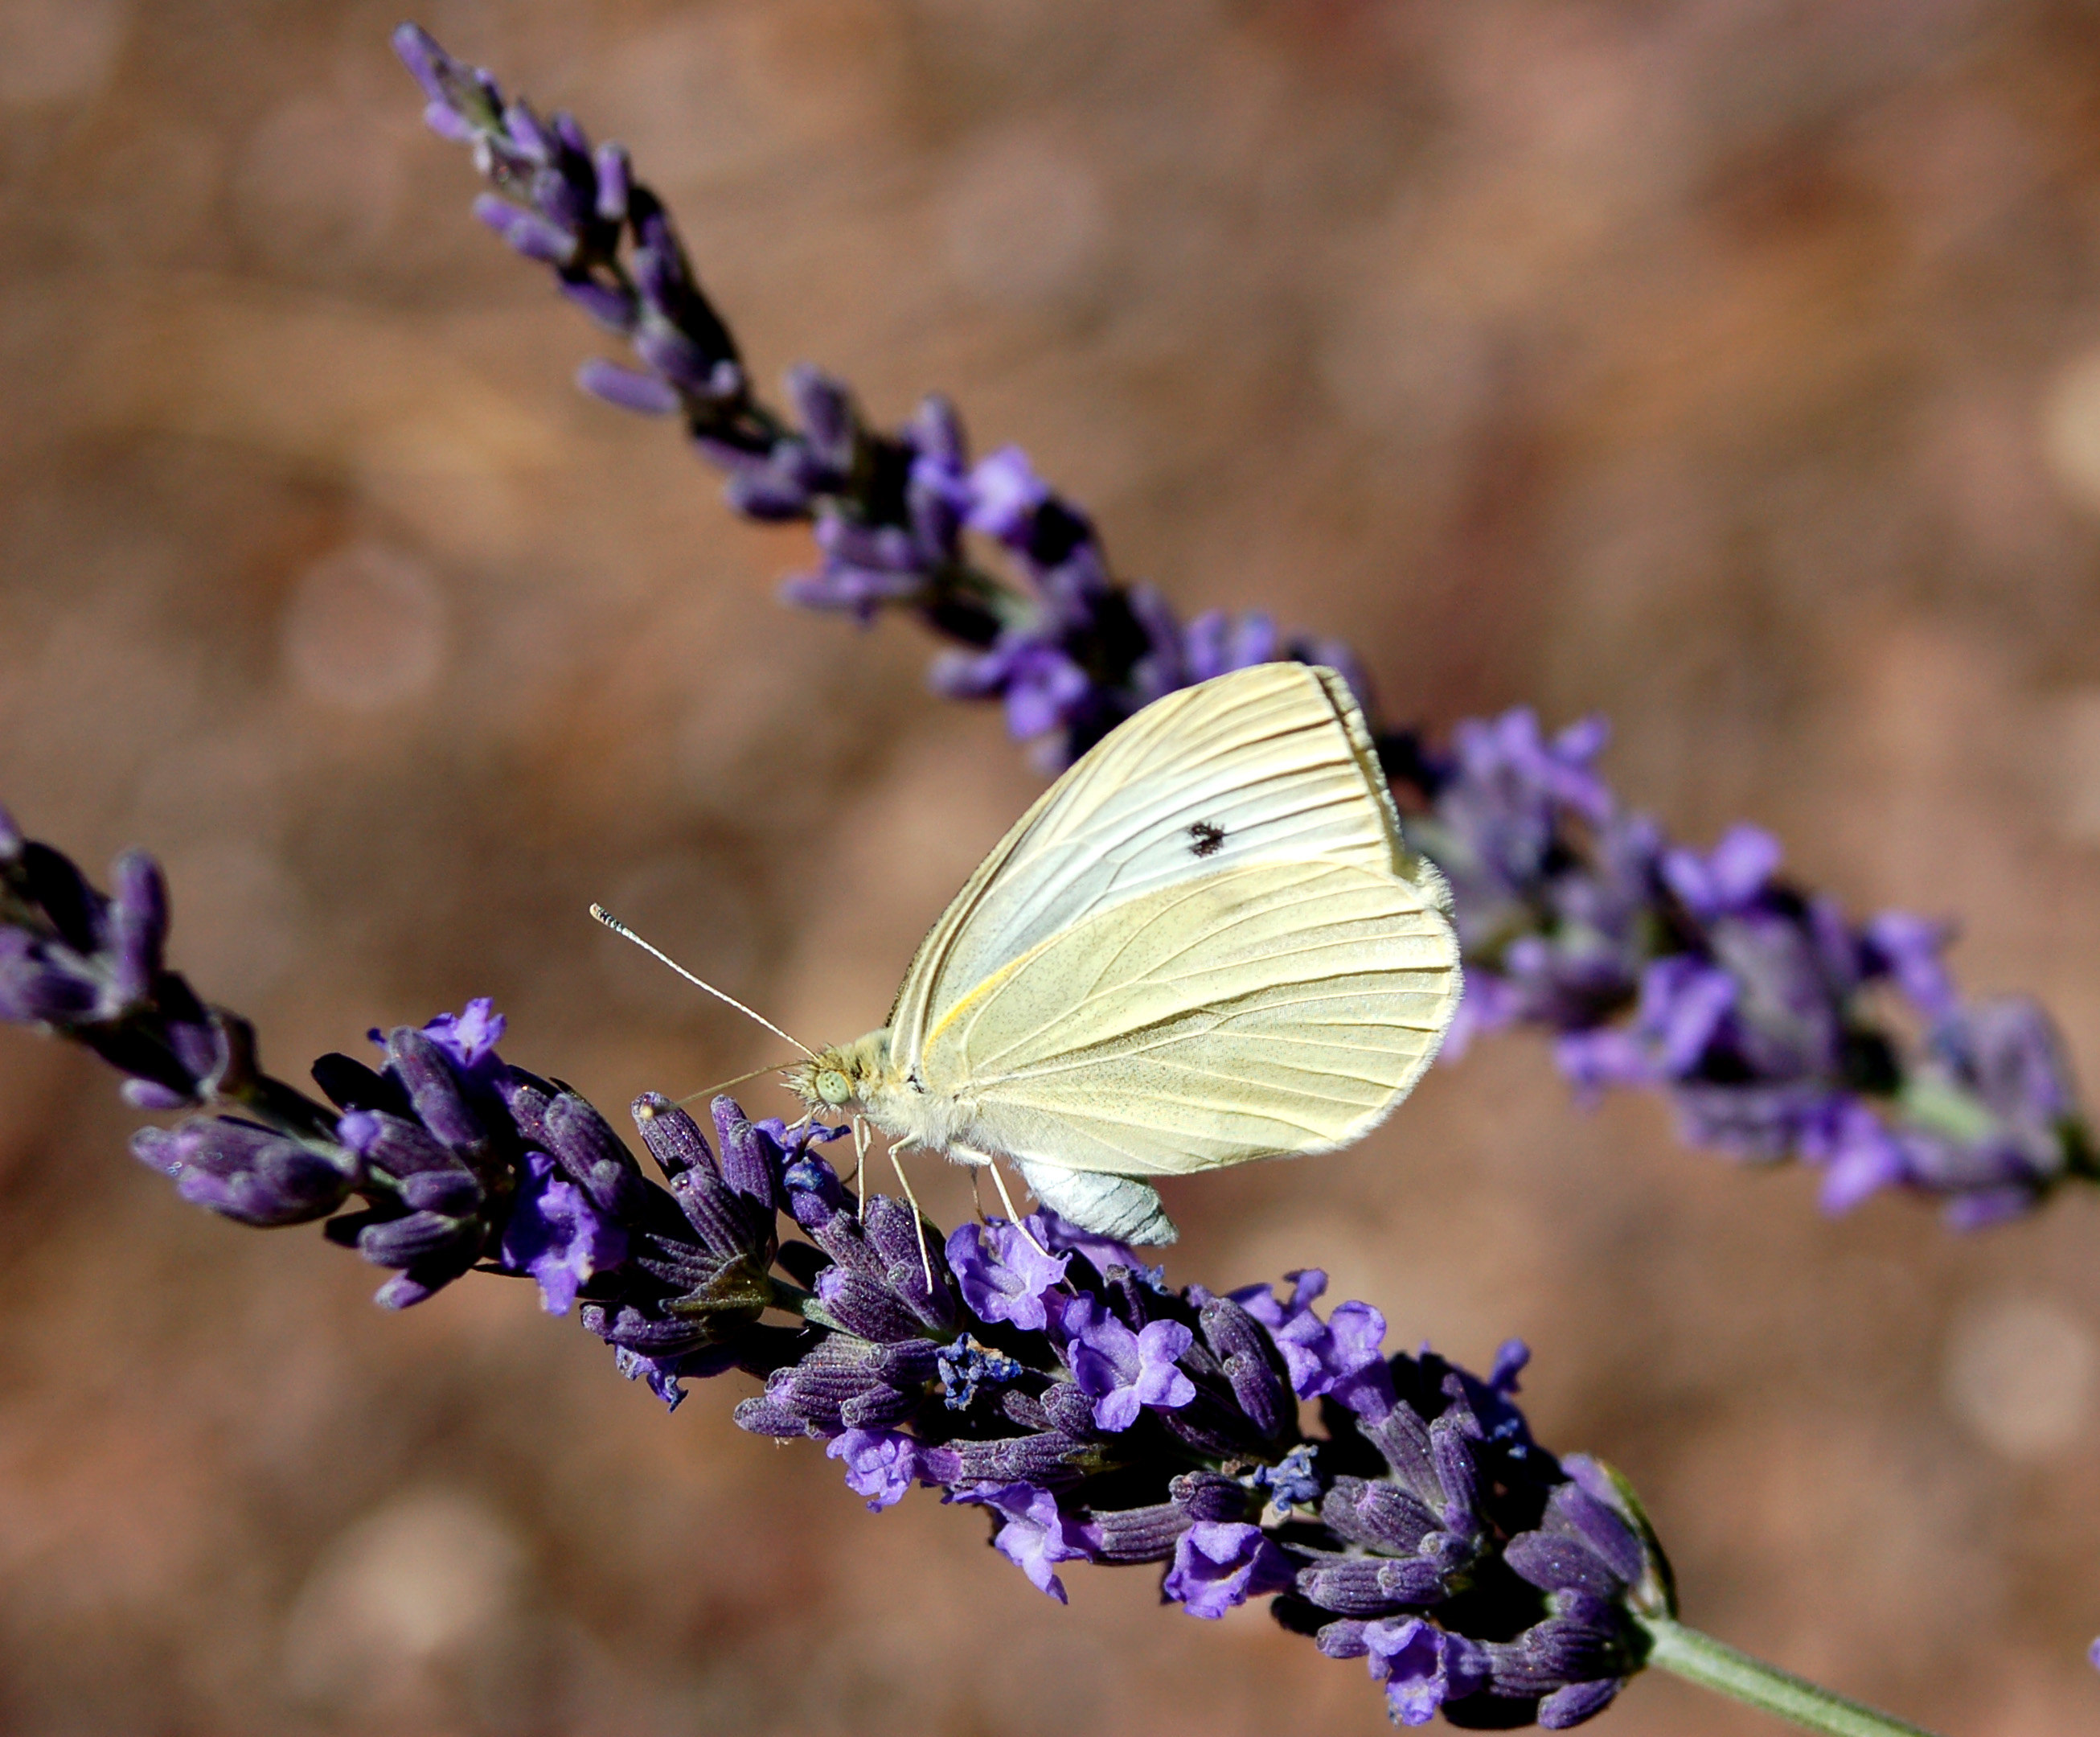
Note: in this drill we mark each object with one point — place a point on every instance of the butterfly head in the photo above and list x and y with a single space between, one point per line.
839 1079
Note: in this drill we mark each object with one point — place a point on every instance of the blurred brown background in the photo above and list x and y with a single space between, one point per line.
1729 366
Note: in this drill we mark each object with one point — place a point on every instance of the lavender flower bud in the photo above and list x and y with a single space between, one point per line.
864 1307
645 394
880 1385
1381 1515
391 1146
582 1143
139 923
1048 1459
526 132
673 1137
1561 1564
456 89
564 204
425 1073
615 175
455 1192
1069 1409
1369 1587
1569 1706
526 233
1454 1458
1135 1535
1209 1495
247 1173
404 1241
674 355
747 1162
35 990
892 1231
1250 1363
1404 1439
1574 1510
726 1222
612 307
824 409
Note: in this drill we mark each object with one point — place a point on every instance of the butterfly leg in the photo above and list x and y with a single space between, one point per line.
1014 1217
860 1163
918 1218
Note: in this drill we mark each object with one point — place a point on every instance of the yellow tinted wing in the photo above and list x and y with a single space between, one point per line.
1272 764
1252 1012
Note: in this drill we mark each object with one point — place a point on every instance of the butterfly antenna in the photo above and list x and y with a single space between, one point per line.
1013 1217
708 1091
620 929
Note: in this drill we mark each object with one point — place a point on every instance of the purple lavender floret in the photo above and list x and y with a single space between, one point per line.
1421 1665
88 965
1104 1253
1005 1276
1033 1533
1341 1356
881 1465
1124 1372
556 1235
1220 1563
1755 1008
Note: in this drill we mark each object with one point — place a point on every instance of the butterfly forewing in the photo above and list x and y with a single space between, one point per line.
1269 764
1247 1012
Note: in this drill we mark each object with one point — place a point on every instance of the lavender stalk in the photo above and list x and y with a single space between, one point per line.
1093 1413
1714 1664
1769 1020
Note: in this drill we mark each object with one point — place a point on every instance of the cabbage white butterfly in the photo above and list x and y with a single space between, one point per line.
1207 943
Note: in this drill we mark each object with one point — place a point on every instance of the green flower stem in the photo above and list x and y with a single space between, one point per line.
1713 1664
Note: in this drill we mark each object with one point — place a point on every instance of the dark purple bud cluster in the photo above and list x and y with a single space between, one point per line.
1040 1373
1760 1010
1102 1417
87 965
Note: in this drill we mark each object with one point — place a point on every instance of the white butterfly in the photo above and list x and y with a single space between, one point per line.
1205 943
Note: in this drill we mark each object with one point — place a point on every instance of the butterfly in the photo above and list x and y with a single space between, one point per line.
1207 943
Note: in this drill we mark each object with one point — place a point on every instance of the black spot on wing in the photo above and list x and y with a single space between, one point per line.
1204 838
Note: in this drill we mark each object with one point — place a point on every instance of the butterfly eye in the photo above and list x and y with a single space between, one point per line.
834 1087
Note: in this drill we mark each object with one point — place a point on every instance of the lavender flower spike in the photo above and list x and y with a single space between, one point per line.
1096 1416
